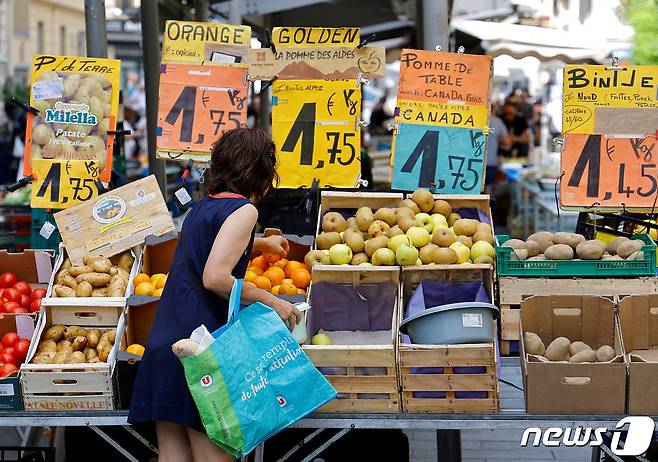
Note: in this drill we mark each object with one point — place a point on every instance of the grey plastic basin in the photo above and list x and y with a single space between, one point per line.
470 322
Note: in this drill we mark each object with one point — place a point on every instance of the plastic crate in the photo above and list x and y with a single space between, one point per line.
505 266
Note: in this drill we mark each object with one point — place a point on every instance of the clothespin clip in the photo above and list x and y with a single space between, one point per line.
119 132
437 48
461 49
268 84
269 43
20 183
306 205
614 61
187 170
365 41
101 187
360 182
361 80
24 106
557 141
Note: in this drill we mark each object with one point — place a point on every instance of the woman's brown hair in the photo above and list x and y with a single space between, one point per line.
243 161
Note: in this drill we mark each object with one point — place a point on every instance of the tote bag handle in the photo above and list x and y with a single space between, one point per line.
233 307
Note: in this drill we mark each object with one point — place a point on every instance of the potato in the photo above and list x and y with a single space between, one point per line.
93 337
615 243
76 358
101 265
99 292
79 343
125 275
514 243
559 252
589 250
94 360
113 271
543 238
558 350
539 257
60 276
117 287
64 345
126 261
66 264
69 281
605 353
54 333
76 271
103 351
629 247
74 331
44 358
577 347
90 353
62 357
533 248
95 279
63 291
42 134
184 348
46 346
611 257
542 359
109 336
519 254
570 239
84 289
639 255
584 356
533 344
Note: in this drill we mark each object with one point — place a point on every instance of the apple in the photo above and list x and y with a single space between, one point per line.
365 263
316 257
321 339
397 241
438 218
463 252
419 237
406 255
340 254
425 221
383 257
482 248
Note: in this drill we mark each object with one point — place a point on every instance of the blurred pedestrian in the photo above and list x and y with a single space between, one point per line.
519 132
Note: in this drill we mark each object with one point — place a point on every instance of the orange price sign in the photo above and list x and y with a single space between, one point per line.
198 104
609 173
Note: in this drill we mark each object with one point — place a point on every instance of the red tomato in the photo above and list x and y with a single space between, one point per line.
7 369
25 301
35 305
9 350
6 358
19 310
23 287
21 349
2 306
38 293
7 279
9 307
10 339
12 295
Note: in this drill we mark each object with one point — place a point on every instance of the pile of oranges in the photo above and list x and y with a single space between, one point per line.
150 285
278 275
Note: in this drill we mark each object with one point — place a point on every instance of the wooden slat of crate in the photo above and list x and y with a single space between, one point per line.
77 311
356 275
450 405
480 354
354 200
355 406
64 378
351 355
461 382
98 402
414 275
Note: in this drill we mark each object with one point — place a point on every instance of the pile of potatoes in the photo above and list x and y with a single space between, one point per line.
96 277
563 350
569 246
74 344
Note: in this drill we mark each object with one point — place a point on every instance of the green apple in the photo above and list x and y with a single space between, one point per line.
397 241
419 262
482 248
425 221
365 263
406 255
439 219
383 257
321 339
418 237
340 254
463 252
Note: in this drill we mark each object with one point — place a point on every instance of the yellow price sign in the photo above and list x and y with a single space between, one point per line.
443 114
315 128
285 37
61 184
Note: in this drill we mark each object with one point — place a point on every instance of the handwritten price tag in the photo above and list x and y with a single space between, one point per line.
61 184
446 160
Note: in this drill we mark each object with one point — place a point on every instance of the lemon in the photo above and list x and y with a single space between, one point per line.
144 288
135 349
142 277
155 277
158 292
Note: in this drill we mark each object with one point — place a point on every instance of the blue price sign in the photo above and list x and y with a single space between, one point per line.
446 160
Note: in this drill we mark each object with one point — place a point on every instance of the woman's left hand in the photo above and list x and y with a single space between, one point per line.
278 245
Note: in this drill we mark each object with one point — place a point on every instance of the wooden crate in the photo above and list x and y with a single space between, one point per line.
353 386
451 382
512 291
53 387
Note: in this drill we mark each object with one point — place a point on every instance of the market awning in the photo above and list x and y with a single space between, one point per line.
544 44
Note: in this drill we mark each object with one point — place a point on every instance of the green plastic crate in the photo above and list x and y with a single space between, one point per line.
505 266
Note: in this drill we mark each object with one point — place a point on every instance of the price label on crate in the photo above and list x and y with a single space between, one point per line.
314 125
198 104
61 184
609 173
446 160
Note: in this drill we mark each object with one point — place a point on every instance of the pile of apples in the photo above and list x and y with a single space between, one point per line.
17 296
422 231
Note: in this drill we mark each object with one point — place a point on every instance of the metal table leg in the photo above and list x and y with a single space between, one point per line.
113 443
449 445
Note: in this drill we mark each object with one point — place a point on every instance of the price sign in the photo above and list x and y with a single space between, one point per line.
447 115
609 173
63 183
77 99
446 160
314 125
600 99
197 105
285 37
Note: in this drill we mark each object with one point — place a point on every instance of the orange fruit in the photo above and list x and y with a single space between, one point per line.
157 292
271 257
155 277
259 261
250 276
292 266
278 270
263 283
160 282
135 349
251 283
256 269
274 276
141 277
144 288
287 289
275 289
301 278
281 263
289 281
301 292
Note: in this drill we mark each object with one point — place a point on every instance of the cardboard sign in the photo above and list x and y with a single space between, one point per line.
115 221
60 184
205 43
609 173
314 126
77 99
197 104
326 37
447 115
446 160
597 99
317 63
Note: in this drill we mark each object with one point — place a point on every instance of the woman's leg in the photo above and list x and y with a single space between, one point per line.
205 450
173 443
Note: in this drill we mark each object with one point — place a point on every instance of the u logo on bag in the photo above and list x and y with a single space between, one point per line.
282 401
206 380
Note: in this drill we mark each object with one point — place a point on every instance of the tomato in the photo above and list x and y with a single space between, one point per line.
6 358
7 279
9 350
6 369
9 307
25 301
23 287
12 295
19 310
21 349
35 305
2 306
10 339
38 293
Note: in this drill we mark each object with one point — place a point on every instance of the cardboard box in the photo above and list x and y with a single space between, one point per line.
564 388
638 319
33 266
10 390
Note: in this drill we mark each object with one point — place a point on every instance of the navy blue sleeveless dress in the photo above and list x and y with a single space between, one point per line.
160 392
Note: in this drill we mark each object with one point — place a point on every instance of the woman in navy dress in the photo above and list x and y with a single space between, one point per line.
213 250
